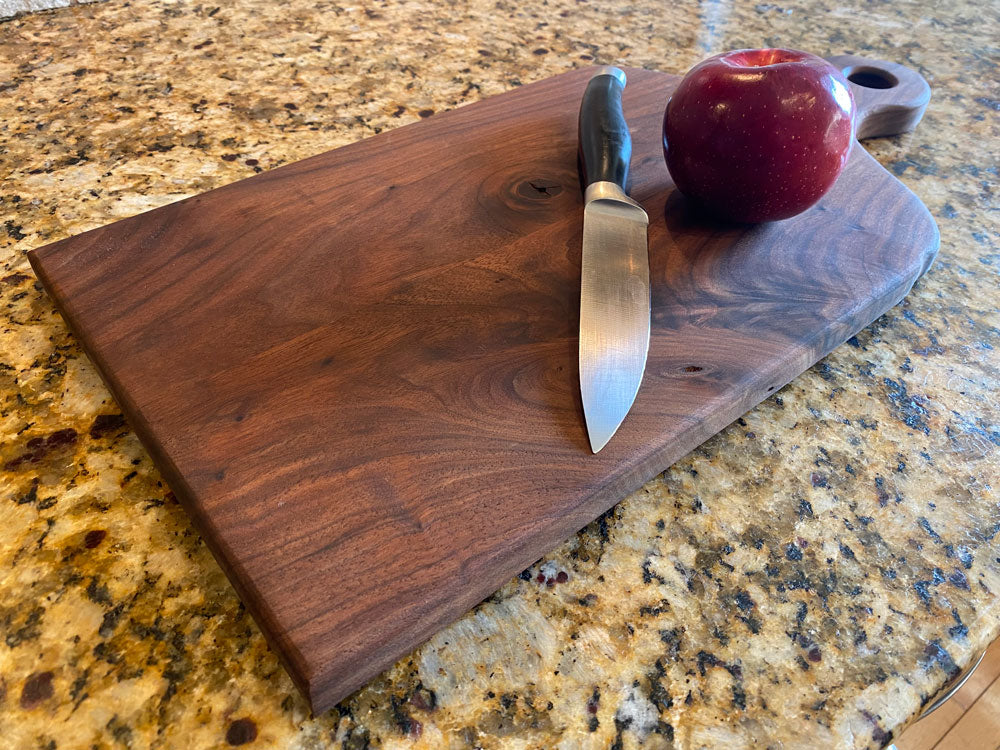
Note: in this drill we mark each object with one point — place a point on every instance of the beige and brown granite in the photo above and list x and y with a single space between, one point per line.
807 578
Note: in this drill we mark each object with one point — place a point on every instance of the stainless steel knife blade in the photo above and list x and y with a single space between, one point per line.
614 313
614 292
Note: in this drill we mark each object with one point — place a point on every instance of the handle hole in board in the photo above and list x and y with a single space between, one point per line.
871 78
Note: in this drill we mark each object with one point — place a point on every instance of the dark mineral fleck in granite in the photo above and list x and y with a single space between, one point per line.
807 578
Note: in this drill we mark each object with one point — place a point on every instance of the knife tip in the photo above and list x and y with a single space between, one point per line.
599 439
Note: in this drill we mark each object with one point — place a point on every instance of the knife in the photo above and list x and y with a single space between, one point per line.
614 289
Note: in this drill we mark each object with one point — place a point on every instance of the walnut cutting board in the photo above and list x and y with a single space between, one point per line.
358 372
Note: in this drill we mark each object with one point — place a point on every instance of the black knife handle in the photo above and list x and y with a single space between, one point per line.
605 143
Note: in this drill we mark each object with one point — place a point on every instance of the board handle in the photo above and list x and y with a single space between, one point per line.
890 97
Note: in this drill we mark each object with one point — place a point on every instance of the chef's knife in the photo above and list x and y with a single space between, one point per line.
614 291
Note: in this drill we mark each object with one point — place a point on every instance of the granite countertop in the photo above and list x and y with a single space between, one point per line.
807 578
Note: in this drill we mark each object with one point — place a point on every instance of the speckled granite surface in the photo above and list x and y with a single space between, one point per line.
805 579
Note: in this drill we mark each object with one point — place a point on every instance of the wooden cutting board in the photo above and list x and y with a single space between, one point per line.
358 372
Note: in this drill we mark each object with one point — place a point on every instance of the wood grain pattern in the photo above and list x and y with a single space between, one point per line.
979 727
358 372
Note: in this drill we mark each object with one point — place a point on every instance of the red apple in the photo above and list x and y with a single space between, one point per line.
758 134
